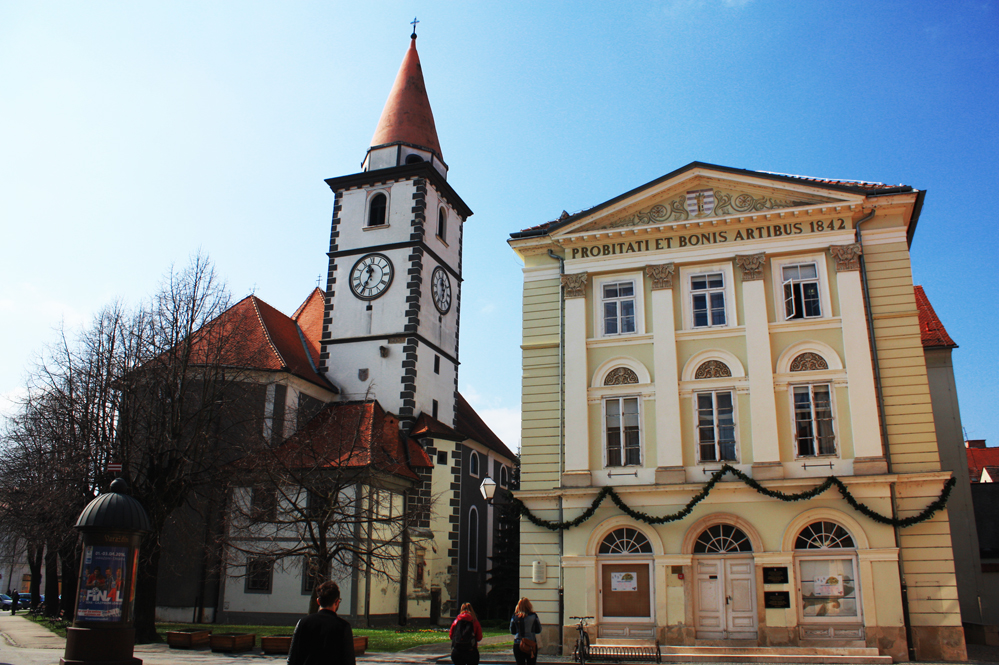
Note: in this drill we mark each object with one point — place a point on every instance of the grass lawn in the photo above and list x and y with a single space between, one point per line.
379 639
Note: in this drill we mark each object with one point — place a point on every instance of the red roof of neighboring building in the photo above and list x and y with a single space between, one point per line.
407 117
309 317
978 459
349 435
253 335
931 330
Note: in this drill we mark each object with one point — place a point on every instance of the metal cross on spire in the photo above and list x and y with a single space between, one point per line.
413 23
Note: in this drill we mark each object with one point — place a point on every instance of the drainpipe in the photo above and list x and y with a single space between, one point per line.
561 435
904 587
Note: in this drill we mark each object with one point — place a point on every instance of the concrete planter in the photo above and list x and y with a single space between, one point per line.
188 639
230 642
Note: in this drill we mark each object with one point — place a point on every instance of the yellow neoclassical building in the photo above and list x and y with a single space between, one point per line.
710 346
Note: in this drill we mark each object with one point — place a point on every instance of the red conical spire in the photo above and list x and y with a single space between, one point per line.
407 117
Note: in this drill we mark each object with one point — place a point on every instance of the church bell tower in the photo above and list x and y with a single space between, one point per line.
393 292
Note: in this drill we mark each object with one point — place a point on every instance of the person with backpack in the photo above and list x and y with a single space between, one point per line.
466 633
525 627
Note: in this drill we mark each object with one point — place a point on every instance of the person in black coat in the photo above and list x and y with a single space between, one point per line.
323 638
15 597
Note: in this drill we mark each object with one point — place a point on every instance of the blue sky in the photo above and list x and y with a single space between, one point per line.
132 134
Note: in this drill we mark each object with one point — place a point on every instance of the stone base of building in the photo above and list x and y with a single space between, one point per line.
939 643
869 466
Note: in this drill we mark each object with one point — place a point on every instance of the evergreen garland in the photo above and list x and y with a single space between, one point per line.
831 481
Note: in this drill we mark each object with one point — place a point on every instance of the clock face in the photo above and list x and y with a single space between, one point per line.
371 276
441 285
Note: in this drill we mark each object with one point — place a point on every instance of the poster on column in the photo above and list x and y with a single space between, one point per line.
102 581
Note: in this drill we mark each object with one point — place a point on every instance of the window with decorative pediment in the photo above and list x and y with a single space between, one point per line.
620 376
808 362
713 369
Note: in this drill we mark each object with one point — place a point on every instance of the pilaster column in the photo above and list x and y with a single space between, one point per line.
868 455
762 404
669 444
577 380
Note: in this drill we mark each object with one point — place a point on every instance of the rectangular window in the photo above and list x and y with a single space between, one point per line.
442 458
716 426
624 446
707 294
813 420
259 575
619 308
263 504
434 409
420 567
801 291
437 364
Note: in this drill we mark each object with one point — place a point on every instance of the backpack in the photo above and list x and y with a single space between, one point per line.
464 635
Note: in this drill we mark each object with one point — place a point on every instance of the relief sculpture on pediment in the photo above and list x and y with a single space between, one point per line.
702 203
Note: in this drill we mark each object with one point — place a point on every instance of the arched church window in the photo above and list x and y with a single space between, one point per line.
377 209
823 535
626 541
473 539
808 362
504 476
442 224
473 464
722 539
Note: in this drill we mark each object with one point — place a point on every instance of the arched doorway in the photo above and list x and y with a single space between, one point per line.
725 581
627 604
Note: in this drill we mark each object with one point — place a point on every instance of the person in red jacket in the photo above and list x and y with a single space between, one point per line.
466 633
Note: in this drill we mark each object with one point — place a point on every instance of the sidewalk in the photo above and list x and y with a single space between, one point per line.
26 643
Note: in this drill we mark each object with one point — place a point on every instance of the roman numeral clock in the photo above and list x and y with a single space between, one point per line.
371 276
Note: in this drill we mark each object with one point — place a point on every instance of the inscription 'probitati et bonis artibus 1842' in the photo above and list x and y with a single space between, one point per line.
709 238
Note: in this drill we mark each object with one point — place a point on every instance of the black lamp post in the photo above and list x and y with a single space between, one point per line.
103 631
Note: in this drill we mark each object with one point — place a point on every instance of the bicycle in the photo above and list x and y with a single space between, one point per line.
582 649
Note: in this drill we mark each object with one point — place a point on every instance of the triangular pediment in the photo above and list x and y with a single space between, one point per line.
701 196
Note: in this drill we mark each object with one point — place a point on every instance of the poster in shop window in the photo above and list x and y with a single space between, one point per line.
829 585
624 582
102 582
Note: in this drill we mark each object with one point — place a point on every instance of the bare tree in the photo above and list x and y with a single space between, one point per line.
336 497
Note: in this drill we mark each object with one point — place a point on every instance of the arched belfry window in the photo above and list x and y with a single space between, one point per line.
625 541
822 536
442 224
377 209
722 539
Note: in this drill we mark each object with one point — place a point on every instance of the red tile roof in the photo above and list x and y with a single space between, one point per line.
253 335
309 317
931 329
407 117
348 435
978 459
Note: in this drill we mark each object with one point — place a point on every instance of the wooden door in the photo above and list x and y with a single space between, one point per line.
725 593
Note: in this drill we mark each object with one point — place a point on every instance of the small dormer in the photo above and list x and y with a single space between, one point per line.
406 133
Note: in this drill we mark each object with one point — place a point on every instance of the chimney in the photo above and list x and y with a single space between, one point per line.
974 443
